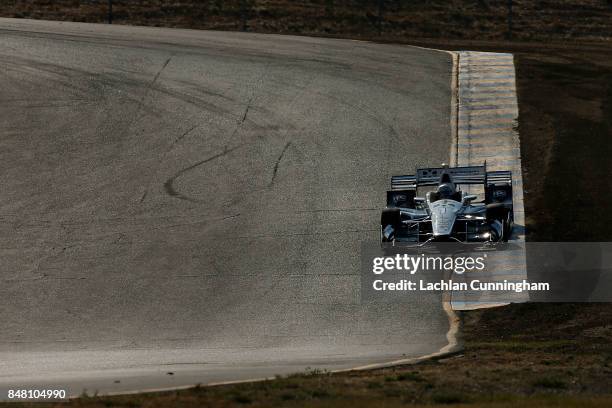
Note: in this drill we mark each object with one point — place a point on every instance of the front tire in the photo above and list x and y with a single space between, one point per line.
390 220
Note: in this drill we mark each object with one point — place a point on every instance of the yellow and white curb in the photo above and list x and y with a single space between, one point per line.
486 130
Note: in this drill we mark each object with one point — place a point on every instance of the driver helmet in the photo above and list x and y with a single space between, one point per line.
446 190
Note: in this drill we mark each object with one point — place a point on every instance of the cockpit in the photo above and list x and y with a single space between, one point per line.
446 190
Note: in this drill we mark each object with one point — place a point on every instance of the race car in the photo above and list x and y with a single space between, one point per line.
446 213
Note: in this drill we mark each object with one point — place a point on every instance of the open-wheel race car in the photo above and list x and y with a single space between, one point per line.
446 213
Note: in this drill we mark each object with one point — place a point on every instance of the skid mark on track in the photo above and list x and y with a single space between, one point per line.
176 141
280 158
337 210
169 184
161 70
182 136
155 78
242 119
246 110
371 114
143 196
150 86
154 81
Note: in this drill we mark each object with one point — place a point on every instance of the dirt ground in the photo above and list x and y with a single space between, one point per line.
400 19
565 126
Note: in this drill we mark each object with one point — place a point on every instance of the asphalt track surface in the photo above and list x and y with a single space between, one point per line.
193 202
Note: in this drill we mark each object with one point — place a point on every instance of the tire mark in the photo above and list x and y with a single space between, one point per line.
242 119
280 158
169 149
152 84
183 135
66 76
161 70
169 184
246 111
301 234
338 210
144 195
373 115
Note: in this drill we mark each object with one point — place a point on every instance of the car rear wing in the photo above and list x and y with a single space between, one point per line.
459 175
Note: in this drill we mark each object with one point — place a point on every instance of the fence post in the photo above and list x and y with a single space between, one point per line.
243 14
110 11
509 19
381 9
329 8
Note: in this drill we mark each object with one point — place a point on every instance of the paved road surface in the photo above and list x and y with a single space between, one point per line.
194 202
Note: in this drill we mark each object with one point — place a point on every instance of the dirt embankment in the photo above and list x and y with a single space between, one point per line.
394 19
566 125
